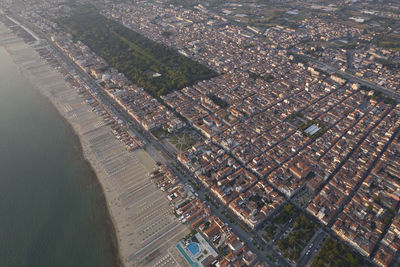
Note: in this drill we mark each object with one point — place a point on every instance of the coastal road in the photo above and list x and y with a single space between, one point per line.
245 236
160 153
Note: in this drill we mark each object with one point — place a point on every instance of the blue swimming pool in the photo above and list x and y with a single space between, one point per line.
182 251
193 248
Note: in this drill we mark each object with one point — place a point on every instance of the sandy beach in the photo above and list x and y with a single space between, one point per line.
145 227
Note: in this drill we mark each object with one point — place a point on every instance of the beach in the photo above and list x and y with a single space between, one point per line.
145 227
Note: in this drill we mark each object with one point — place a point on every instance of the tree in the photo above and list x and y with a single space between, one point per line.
133 54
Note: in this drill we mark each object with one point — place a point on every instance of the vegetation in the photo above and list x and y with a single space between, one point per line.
194 239
335 253
190 235
378 96
270 231
166 34
294 115
182 141
389 217
229 217
303 127
307 124
195 186
159 132
214 204
296 241
391 41
218 101
315 52
244 226
133 54
269 77
298 58
286 213
253 75
391 65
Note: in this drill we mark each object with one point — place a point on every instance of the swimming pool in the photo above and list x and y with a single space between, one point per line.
193 247
182 251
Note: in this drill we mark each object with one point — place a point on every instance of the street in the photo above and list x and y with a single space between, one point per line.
352 78
157 150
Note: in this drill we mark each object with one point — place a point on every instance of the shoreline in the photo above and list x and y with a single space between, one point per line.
110 228
123 191
83 155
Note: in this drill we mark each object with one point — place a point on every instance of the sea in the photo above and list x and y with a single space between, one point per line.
52 209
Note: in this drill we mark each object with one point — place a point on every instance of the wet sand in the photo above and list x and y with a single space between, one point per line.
145 228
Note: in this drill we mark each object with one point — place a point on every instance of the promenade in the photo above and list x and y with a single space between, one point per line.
146 229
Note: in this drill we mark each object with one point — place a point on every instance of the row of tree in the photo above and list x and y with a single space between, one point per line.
135 55
335 253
